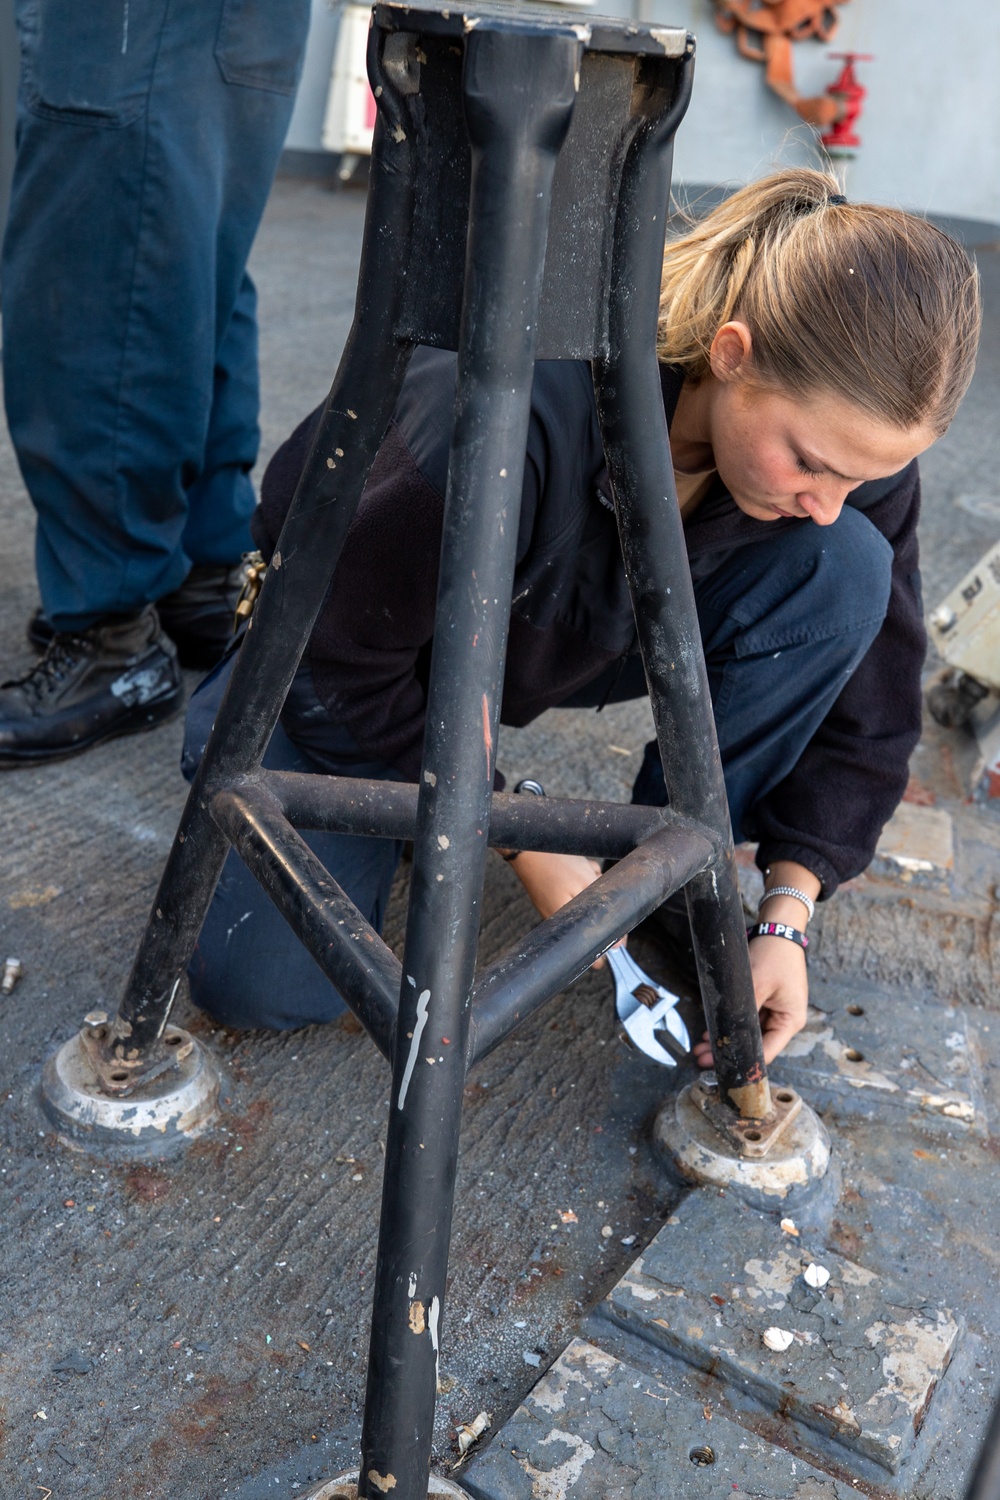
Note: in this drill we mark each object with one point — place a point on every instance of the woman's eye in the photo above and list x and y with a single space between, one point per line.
804 468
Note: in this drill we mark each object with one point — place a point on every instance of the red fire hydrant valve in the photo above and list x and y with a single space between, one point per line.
850 94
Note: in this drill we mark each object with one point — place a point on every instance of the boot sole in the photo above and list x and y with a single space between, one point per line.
148 716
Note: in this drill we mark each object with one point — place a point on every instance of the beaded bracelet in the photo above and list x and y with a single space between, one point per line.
778 929
791 890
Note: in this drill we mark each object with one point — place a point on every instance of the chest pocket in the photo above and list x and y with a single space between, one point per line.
90 63
261 42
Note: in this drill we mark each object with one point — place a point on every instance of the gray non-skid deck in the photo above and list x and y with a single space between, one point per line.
197 1327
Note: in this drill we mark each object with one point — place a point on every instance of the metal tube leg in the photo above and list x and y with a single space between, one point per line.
519 95
638 452
354 421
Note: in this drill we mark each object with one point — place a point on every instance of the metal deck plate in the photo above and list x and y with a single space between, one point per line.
595 1428
863 1360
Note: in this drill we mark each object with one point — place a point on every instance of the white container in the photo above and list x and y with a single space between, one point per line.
350 105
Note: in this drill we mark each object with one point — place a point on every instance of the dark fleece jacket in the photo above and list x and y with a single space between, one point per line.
571 623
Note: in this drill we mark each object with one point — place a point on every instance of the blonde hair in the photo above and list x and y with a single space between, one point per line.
868 303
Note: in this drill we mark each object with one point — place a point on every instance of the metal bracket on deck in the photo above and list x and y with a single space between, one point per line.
752 1138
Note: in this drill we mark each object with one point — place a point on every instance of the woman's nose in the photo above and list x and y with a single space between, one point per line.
824 506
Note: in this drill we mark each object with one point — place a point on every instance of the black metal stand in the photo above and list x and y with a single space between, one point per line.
519 190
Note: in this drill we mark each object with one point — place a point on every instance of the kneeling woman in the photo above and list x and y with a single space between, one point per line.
810 349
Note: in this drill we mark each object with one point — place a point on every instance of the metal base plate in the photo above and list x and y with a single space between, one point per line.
156 1118
345 1487
796 1160
752 1138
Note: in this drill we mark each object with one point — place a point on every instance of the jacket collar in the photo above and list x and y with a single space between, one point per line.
671 381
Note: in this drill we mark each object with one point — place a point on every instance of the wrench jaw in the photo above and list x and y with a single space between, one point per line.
646 1024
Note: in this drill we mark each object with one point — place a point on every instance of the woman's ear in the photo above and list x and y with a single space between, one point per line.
730 351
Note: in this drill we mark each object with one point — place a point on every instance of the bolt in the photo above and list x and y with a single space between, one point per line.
703 1456
709 1082
943 618
12 971
95 1018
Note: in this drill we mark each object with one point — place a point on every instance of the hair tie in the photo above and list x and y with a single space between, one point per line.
836 198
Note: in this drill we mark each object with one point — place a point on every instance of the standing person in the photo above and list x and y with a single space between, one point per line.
148 138
810 349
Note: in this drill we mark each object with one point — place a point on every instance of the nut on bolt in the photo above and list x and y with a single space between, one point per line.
13 969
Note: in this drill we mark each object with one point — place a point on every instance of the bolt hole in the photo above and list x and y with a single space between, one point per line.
173 1041
785 1097
752 1135
702 1457
99 1033
855 1010
119 1077
853 1055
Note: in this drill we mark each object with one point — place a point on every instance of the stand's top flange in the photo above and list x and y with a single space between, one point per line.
598 33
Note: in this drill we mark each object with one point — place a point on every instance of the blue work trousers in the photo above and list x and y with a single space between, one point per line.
784 623
148 136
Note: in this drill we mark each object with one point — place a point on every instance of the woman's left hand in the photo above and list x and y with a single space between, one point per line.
781 989
551 880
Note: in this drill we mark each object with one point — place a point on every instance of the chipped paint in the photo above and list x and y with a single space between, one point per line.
807 1041
385 1482
554 1484
551 1393
648 1293
411 1290
851 1274
856 1070
674 43
433 1319
418 1031
417 1318
843 1417
444 842
772 1280
955 1106
487 733
916 1353
752 1099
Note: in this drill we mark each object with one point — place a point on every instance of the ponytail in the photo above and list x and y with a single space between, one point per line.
871 304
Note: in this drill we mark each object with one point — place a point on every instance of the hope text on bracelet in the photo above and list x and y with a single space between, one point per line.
791 890
778 929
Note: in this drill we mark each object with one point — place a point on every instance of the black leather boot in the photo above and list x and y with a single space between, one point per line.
198 616
118 677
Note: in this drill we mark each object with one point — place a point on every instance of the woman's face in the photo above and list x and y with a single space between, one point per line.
783 455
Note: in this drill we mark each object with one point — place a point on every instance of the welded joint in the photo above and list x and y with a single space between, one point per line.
752 1137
